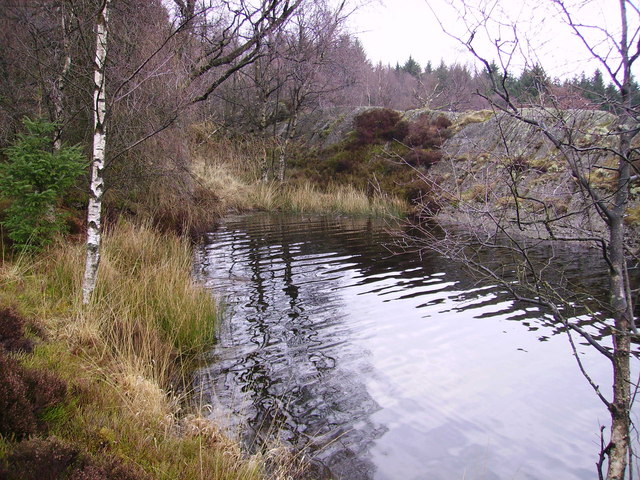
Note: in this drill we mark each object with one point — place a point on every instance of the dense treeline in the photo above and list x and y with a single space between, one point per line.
255 69
162 73
458 87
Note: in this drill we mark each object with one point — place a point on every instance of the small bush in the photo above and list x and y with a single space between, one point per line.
426 133
341 162
400 131
54 459
12 336
34 179
25 396
39 459
378 124
423 158
16 412
442 122
518 164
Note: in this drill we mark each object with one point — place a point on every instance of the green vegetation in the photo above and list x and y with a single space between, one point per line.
34 179
101 387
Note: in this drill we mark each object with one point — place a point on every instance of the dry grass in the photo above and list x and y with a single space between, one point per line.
127 353
340 199
231 169
240 191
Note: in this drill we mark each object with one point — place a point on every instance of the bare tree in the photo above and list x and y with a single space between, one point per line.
302 67
601 168
227 38
309 56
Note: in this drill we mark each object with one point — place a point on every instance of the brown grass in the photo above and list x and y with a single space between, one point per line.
127 354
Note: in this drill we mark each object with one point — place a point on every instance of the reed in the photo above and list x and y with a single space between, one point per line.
344 199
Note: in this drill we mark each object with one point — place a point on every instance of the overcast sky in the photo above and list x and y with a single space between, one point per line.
391 30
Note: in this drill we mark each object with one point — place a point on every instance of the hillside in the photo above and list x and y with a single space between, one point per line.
497 169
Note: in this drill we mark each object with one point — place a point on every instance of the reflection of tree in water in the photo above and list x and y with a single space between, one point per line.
296 369
291 375
370 250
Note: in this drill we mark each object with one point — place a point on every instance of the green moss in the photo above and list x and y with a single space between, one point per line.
604 179
472 117
632 216
477 193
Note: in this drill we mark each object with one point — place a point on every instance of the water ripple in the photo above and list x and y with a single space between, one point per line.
388 366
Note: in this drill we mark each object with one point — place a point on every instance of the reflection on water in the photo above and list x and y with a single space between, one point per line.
391 366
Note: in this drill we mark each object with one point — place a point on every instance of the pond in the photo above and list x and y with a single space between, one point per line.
387 365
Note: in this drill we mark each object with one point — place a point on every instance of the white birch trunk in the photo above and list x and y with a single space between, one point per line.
94 213
264 162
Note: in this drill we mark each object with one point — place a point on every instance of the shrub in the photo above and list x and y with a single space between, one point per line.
423 158
517 164
400 131
39 459
34 179
378 124
425 133
25 397
16 413
442 122
54 459
182 211
12 332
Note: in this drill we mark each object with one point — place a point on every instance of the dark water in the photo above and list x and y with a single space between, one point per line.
389 366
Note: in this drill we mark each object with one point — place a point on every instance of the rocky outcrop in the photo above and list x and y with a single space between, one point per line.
496 168
502 170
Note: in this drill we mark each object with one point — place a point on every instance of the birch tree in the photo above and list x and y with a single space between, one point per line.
224 37
96 188
58 92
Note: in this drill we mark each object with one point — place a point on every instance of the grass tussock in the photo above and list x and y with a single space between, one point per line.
309 198
240 191
122 359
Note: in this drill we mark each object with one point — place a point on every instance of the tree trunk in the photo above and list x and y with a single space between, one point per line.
621 300
94 213
620 407
57 95
264 161
291 132
622 306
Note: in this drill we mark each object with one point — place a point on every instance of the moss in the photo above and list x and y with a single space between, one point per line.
506 201
604 179
473 117
477 193
560 205
482 160
632 216
531 206
547 164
